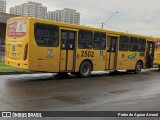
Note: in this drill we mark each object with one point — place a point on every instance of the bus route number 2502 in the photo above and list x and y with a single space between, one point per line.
87 54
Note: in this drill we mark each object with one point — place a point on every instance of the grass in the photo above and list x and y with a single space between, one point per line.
5 68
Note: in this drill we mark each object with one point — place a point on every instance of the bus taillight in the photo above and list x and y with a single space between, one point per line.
25 52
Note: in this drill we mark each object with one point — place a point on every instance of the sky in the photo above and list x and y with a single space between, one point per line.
134 16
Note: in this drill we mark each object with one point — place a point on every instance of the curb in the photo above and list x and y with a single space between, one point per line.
15 73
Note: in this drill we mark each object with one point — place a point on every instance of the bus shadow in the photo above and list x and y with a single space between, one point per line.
57 77
71 77
112 74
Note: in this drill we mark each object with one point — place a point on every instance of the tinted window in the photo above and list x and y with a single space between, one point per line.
68 40
99 41
141 44
64 40
111 44
123 43
46 35
85 39
133 44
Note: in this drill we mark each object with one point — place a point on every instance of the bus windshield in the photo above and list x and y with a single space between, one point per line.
17 28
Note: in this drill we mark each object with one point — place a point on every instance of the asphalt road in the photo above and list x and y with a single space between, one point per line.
100 92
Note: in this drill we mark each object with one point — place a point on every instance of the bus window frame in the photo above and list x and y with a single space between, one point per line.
47 27
110 46
127 43
133 44
101 36
140 45
82 30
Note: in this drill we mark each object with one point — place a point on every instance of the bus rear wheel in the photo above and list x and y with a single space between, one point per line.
138 68
85 69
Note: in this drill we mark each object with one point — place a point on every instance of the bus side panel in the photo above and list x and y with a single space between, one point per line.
122 61
128 60
43 58
33 50
97 57
99 60
125 62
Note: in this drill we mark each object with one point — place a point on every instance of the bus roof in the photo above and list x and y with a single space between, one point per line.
62 24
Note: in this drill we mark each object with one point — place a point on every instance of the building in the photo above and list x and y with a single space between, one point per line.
51 15
65 15
30 9
58 15
42 12
18 10
36 7
12 10
3 6
70 15
76 18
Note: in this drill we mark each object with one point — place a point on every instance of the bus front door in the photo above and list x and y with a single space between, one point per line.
111 56
67 54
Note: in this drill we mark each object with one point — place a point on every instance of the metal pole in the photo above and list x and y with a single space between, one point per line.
109 18
102 24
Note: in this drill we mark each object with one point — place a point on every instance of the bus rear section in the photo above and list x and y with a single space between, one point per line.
16 54
157 52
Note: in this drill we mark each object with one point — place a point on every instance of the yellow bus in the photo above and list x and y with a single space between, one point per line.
157 52
49 46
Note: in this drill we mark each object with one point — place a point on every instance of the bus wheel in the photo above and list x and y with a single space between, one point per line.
85 69
138 68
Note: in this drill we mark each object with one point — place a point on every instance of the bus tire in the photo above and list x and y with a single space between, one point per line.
85 69
138 68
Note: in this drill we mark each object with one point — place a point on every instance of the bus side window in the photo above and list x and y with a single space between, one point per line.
40 31
71 40
133 44
123 43
85 39
142 44
53 36
111 44
64 40
99 41
46 35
